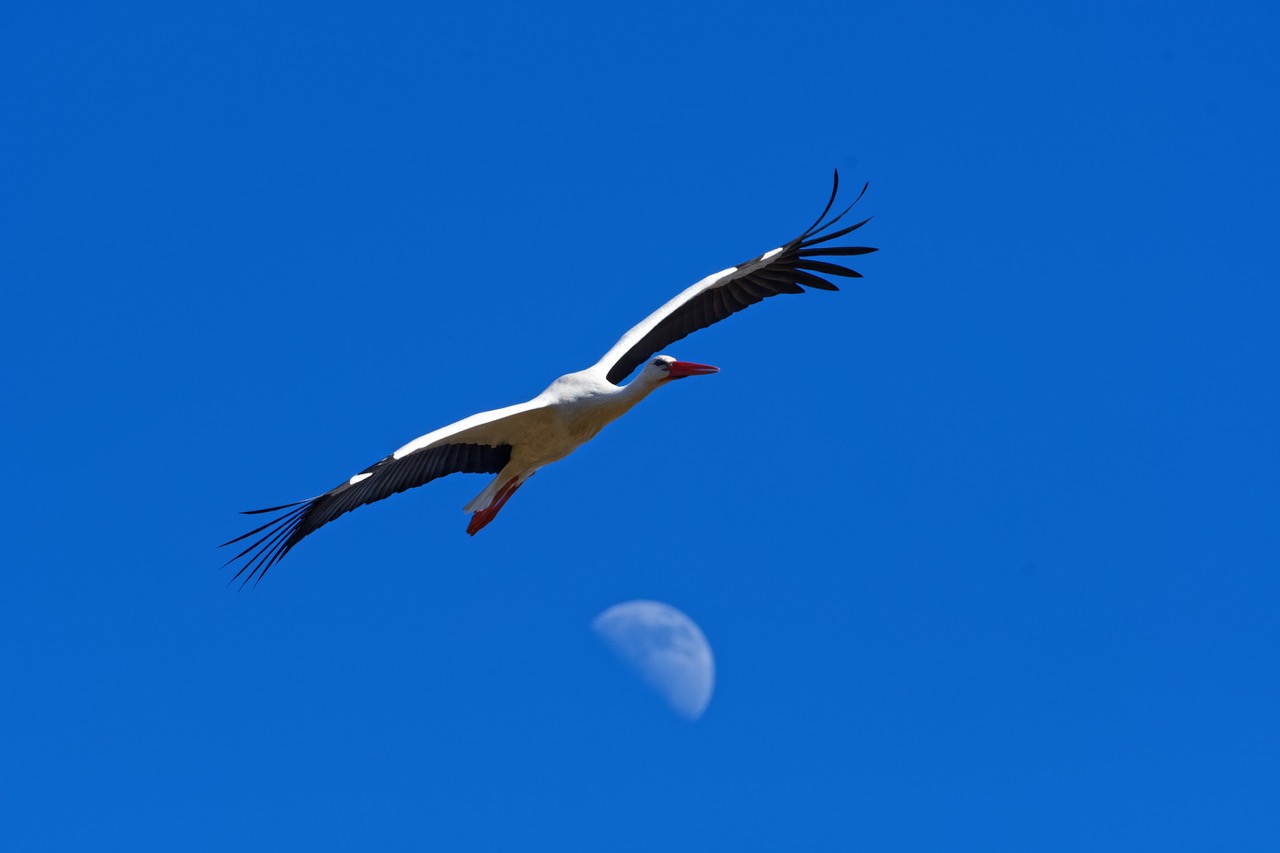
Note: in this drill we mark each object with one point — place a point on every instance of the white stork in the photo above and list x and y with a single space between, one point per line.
517 441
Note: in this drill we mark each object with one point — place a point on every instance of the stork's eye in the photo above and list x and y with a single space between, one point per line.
657 362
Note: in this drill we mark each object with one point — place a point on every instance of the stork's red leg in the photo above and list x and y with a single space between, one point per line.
480 518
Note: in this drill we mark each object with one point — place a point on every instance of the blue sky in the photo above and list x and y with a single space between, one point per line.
985 544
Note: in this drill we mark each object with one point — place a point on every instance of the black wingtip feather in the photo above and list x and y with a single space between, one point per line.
837 250
825 267
812 280
835 189
834 234
272 508
268 549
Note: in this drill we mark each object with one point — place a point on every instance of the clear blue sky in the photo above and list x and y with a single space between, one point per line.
985 544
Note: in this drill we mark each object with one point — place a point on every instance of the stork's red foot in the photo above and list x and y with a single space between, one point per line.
480 518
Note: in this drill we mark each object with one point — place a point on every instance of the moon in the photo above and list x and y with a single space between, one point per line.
665 648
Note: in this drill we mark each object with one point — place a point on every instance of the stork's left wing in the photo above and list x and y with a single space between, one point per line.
480 444
787 269
383 479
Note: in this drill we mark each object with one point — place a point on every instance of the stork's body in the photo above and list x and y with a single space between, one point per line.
514 442
567 415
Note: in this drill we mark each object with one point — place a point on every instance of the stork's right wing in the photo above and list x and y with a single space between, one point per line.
783 270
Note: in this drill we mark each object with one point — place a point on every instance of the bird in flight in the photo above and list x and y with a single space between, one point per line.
516 441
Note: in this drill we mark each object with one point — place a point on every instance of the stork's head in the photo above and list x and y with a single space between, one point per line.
662 368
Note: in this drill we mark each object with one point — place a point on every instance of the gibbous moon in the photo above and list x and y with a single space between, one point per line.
665 648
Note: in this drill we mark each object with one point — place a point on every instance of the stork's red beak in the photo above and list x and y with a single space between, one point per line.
681 369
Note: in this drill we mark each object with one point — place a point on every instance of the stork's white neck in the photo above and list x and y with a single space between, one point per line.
586 401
